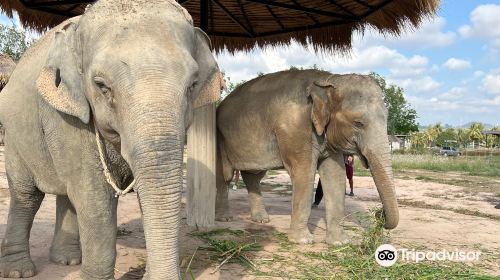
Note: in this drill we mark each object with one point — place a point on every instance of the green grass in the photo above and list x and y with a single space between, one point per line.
358 262
463 211
474 166
225 250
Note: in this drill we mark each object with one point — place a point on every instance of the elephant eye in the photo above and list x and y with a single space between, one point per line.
358 124
101 85
193 85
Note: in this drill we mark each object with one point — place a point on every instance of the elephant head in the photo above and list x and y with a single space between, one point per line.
350 111
136 69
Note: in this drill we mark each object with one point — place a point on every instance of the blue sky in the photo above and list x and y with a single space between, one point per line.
449 67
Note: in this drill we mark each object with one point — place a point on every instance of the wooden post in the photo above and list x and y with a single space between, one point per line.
201 146
201 190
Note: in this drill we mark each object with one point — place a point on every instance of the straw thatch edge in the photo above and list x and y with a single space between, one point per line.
32 19
392 18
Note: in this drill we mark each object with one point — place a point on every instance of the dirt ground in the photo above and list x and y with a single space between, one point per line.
432 216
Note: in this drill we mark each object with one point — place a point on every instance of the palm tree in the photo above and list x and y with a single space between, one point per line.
462 137
492 140
476 133
418 139
432 132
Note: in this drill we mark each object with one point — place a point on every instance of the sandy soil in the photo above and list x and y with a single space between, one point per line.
420 225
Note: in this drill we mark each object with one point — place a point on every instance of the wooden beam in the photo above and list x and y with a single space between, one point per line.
364 3
275 17
212 27
204 15
52 11
230 15
228 34
301 8
335 2
72 8
54 3
242 9
303 28
373 9
308 14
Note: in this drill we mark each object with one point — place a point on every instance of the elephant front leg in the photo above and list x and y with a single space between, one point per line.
302 180
96 210
25 200
65 247
332 174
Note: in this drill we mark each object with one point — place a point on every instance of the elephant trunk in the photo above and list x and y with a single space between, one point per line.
159 183
154 151
379 159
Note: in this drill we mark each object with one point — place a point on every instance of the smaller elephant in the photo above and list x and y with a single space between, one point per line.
304 121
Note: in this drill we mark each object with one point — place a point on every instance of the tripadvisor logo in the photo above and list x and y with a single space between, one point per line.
386 255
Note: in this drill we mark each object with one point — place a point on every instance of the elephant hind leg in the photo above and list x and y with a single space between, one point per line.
257 207
65 247
25 200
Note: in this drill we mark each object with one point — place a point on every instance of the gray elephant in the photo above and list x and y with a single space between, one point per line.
304 121
126 82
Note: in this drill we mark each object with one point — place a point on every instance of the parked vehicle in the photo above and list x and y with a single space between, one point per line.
449 151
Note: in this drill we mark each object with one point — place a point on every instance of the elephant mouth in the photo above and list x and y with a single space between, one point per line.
364 160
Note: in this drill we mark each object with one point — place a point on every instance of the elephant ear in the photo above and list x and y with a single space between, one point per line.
60 80
321 105
210 79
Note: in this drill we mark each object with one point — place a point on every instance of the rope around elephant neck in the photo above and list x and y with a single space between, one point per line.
107 174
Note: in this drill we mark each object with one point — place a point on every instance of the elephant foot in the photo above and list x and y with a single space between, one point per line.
302 236
17 266
260 216
66 256
94 276
337 237
223 216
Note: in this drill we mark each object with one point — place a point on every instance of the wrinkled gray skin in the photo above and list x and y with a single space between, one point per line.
304 121
135 74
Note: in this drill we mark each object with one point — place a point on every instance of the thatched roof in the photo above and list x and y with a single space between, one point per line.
7 65
242 24
491 132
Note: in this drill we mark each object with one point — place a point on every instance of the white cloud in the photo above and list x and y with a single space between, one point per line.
454 93
424 84
456 64
484 22
243 66
491 82
478 73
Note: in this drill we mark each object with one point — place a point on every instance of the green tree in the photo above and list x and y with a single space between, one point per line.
402 117
447 137
476 133
462 137
430 135
418 140
13 41
493 140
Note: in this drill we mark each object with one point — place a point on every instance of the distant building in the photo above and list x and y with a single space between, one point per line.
398 142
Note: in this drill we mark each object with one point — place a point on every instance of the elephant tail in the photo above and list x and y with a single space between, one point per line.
224 165
236 176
